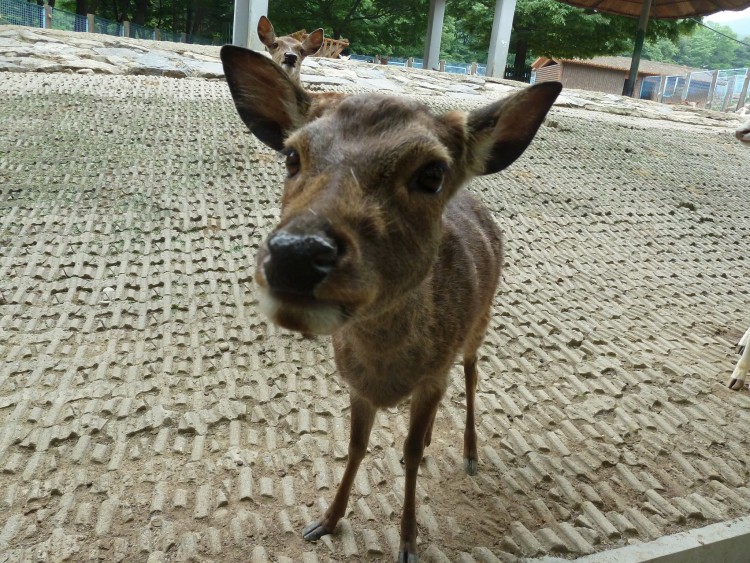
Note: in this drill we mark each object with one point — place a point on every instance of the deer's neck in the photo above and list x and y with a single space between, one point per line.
405 320
385 357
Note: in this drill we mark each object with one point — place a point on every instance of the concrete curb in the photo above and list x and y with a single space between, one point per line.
728 542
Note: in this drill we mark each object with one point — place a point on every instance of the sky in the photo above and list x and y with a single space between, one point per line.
723 17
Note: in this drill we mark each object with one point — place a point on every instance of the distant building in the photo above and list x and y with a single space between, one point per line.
602 74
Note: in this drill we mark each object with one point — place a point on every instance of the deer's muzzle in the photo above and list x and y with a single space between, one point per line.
297 263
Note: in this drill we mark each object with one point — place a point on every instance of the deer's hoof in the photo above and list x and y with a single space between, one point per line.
736 383
315 530
406 555
470 466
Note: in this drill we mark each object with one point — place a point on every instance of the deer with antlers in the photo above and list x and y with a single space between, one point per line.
380 245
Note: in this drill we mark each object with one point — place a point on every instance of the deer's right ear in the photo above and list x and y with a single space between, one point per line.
269 103
500 132
265 31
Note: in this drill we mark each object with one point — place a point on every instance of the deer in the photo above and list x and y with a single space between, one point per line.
742 369
287 51
380 245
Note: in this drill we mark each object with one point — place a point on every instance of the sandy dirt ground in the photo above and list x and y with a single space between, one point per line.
149 413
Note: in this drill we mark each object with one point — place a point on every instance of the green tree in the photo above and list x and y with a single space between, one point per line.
663 50
742 55
196 17
551 28
372 26
705 48
398 27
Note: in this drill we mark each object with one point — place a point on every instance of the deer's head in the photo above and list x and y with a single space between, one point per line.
287 51
368 179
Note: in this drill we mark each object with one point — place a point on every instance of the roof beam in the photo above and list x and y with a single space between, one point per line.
245 25
502 24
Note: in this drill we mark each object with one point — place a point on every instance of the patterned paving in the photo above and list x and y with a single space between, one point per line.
148 413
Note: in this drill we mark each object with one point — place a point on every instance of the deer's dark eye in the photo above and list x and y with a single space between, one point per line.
429 178
292 163
275 46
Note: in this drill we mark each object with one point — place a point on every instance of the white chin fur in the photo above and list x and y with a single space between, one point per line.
313 319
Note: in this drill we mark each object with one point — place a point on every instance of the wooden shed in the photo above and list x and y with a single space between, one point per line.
600 74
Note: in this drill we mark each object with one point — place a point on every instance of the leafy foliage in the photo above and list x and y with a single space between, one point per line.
703 48
385 27
207 18
551 28
398 28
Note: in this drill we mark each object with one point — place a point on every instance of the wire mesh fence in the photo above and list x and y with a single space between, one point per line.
69 22
721 90
415 62
728 91
107 27
169 36
20 12
198 40
13 12
140 32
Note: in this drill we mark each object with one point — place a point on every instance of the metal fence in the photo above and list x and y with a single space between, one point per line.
722 90
139 32
446 66
67 21
20 12
14 12
105 27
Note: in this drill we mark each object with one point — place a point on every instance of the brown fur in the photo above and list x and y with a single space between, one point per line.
281 48
417 271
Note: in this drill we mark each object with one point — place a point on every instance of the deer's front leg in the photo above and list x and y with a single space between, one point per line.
424 404
363 415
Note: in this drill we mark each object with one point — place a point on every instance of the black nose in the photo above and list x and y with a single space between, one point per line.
290 58
298 263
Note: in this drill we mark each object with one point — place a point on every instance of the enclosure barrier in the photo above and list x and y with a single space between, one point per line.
470 69
720 90
19 12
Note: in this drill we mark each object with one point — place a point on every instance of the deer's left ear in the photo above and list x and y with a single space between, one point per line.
499 133
313 42
270 104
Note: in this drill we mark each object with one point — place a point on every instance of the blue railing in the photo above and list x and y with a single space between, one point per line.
451 67
13 12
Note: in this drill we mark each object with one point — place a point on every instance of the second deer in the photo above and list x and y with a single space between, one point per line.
380 245
287 51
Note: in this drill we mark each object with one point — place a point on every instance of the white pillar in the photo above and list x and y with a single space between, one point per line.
245 29
434 34
500 38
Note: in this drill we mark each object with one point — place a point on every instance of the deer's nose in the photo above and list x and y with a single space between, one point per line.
298 263
290 59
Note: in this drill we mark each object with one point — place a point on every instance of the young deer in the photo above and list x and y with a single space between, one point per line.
286 51
379 245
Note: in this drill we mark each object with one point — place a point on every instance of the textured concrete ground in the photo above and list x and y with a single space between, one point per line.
148 413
